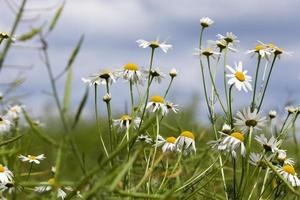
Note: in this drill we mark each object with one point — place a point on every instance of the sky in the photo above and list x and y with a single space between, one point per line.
112 27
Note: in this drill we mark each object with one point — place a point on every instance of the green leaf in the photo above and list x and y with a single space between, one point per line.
68 85
81 106
56 17
30 34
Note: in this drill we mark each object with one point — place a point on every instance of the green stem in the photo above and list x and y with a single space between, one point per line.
148 87
224 78
31 165
255 83
109 114
131 96
98 121
234 177
267 83
169 86
229 106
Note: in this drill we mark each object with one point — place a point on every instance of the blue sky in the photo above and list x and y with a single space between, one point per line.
112 27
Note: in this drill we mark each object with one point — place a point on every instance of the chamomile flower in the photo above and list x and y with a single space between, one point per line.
156 74
131 72
208 52
256 160
125 121
5 125
32 159
262 50
206 22
275 49
221 45
246 119
53 185
186 143
226 128
173 73
269 145
14 112
106 75
168 144
6 175
283 159
145 138
291 109
171 107
154 44
230 143
288 172
239 77
272 114
9 187
157 104
229 38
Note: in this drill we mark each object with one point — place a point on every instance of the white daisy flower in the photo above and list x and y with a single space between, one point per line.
221 44
157 103
154 44
206 52
186 143
206 22
144 138
168 144
226 128
106 75
6 176
269 145
275 49
53 185
230 143
283 158
32 159
272 114
246 119
125 121
5 125
239 77
8 187
288 172
262 50
291 109
229 38
14 112
132 72
173 72
256 160
156 74
171 107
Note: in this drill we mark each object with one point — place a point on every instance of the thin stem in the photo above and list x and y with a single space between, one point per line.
148 86
229 105
255 184
31 165
264 183
98 121
255 83
234 177
108 107
131 96
224 78
169 86
214 85
267 83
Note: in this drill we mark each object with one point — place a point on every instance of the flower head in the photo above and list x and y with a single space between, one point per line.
32 159
173 73
125 121
186 142
206 22
154 44
5 125
239 77
168 144
53 185
157 104
105 76
261 50
226 128
246 119
14 112
269 145
6 176
272 114
171 107
229 38
289 173
230 143
275 49
131 72
208 52
156 74
145 138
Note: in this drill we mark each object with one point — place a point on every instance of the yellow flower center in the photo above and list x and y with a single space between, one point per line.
157 99
30 157
240 76
154 44
238 136
2 169
52 181
188 134
259 47
131 66
125 117
289 169
171 140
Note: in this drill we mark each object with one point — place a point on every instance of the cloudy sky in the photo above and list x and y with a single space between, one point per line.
112 27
